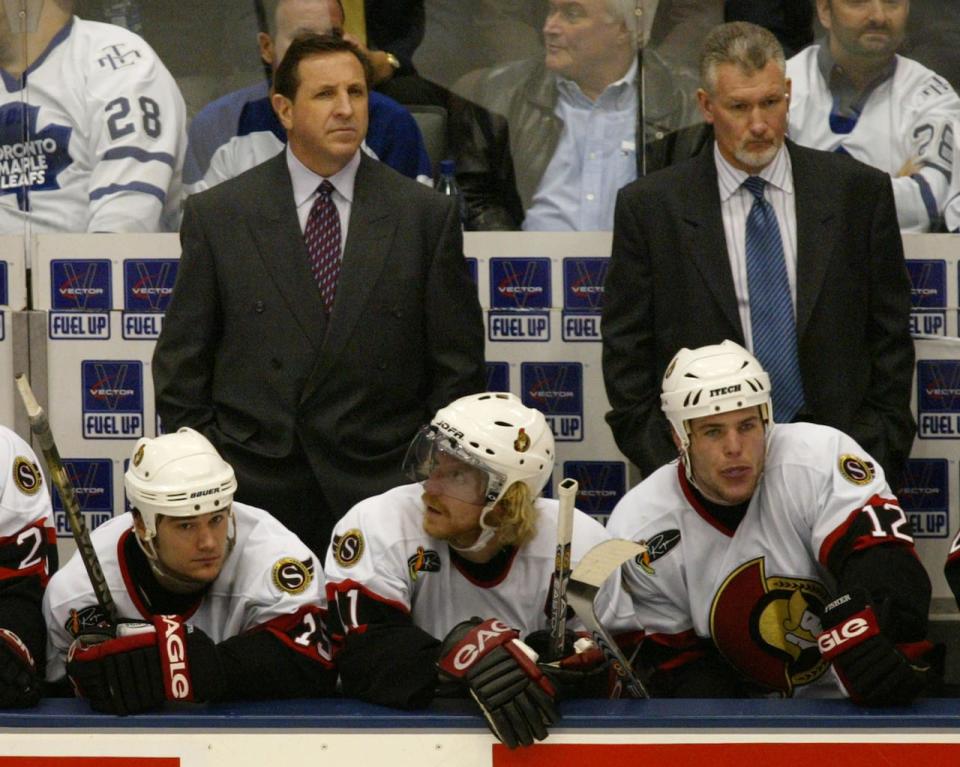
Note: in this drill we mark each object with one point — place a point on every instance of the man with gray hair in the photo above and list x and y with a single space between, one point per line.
793 253
544 144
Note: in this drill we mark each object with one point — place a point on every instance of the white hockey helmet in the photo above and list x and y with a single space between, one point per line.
710 380
179 475
493 432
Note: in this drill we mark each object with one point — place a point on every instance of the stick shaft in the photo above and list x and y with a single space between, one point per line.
567 493
59 477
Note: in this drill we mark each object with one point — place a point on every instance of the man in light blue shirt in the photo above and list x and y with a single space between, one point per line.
545 144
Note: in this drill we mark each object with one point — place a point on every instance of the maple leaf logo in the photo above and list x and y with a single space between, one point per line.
30 160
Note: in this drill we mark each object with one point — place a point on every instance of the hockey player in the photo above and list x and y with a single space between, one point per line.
855 95
92 126
774 552
28 554
223 602
451 573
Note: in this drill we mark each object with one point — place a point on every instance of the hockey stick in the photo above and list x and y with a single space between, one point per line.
567 493
596 566
58 475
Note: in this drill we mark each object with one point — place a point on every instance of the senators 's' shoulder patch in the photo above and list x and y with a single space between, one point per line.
348 548
291 575
26 475
856 470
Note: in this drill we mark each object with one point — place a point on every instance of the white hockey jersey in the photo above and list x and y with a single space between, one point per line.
758 591
92 137
913 114
269 576
24 503
28 542
379 548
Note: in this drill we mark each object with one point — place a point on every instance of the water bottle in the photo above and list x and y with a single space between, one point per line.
447 184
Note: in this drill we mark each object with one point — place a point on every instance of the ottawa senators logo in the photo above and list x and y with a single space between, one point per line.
292 575
424 561
26 475
348 548
768 627
857 471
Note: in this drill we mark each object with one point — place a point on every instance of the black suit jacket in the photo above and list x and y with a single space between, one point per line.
670 286
246 354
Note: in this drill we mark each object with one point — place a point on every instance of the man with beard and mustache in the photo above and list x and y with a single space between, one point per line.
853 94
434 582
792 252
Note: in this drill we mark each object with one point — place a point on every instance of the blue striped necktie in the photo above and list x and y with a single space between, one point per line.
771 307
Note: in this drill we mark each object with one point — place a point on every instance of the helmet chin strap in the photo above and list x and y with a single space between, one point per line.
486 533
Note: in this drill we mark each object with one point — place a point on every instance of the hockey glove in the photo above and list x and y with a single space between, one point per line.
501 674
872 669
144 665
582 672
19 684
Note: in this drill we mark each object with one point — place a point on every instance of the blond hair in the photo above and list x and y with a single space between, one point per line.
515 516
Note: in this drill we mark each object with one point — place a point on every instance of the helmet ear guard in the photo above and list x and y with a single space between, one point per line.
711 380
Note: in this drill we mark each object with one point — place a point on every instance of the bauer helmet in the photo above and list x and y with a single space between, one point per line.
711 380
493 432
179 475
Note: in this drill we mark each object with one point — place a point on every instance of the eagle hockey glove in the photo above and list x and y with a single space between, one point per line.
144 665
582 672
872 669
19 684
512 692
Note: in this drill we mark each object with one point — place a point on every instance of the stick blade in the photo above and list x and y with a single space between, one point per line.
603 560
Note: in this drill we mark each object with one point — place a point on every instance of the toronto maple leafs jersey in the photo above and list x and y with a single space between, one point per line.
28 543
911 114
758 591
380 551
92 137
270 579
241 130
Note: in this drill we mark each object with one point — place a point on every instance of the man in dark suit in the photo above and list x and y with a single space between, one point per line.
309 382
679 277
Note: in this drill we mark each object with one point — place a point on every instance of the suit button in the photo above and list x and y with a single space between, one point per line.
398 313
277 364
382 365
258 307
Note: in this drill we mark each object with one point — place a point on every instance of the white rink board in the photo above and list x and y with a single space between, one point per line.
541 294
81 281
13 296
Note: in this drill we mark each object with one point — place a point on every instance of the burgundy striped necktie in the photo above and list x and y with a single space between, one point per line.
322 236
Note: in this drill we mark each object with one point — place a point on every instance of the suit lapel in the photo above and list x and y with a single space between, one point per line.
704 240
372 223
815 221
279 241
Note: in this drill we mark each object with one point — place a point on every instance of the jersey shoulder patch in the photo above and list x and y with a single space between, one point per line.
293 575
856 470
26 475
348 548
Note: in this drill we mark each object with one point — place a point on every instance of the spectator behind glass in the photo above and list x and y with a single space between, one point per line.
545 143
94 124
853 94
240 130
